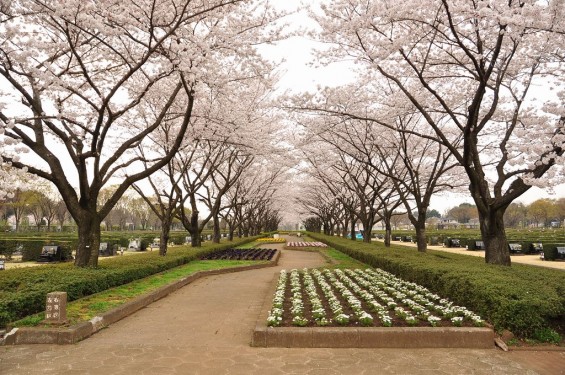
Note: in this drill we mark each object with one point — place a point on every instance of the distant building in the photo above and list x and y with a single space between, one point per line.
447 223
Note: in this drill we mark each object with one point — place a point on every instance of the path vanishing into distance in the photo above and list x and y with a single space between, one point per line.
206 328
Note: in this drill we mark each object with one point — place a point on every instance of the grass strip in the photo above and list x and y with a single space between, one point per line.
86 308
340 260
248 245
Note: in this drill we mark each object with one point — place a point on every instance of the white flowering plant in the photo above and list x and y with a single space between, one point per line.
355 297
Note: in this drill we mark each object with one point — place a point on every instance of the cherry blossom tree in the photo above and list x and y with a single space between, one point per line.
479 64
76 79
163 196
61 213
163 202
234 127
345 156
418 168
363 184
221 181
255 201
316 200
196 165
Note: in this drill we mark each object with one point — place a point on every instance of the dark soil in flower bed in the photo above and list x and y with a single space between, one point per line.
242 254
397 321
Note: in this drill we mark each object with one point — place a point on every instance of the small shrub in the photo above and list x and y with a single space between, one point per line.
550 251
547 335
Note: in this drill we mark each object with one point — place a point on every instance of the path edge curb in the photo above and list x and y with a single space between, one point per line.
81 331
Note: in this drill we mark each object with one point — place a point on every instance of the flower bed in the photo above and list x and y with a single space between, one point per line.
242 254
306 244
271 240
370 298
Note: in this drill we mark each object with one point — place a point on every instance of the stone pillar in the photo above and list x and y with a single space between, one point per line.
56 308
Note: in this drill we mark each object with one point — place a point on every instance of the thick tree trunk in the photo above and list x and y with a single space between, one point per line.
164 238
388 232
352 230
88 240
367 233
367 230
326 228
494 237
344 228
195 240
420 227
194 230
217 235
421 240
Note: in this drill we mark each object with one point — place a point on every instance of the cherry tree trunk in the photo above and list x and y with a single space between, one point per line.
388 232
195 240
494 237
217 235
194 230
421 239
164 238
345 226
352 230
326 228
231 231
367 234
88 227
420 227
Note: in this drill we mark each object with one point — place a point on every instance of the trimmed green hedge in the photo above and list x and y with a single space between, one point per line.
23 290
524 299
550 251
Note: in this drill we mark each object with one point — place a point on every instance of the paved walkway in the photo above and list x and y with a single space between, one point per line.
205 328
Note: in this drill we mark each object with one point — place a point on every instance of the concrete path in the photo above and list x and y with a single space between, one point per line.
205 328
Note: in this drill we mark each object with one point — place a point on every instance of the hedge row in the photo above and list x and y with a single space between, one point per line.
23 290
523 299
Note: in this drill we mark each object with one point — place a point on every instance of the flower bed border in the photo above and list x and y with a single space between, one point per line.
365 337
81 331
